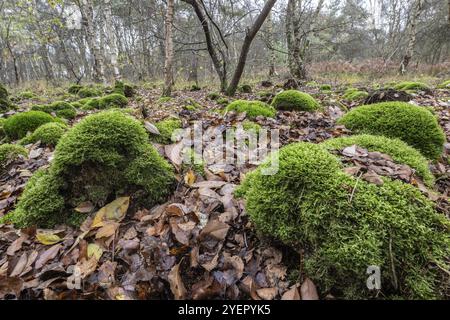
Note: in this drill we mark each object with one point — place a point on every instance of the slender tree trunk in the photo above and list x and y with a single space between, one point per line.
412 34
193 72
111 39
87 14
250 35
270 41
168 63
43 52
219 66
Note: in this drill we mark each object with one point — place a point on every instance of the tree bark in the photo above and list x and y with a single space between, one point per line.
168 63
412 34
219 66
270 41
250 35
87 15
111 39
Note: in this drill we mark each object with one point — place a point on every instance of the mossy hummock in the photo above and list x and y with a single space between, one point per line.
295 100
412 86
18 125
444 85
113 100
253 109
166 129
415 125
104 156
9 152
48 134
344 224
5 104
124 89
352 94
87 92
398 150
61 109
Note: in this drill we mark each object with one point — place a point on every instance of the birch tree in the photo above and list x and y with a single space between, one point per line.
168 61
412 35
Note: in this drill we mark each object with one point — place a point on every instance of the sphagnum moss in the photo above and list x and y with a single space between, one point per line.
103 156
344 225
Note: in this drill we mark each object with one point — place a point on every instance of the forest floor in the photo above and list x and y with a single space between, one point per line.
200 244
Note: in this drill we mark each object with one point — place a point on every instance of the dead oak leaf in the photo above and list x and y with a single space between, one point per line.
267 293
176 283
308 290
216 229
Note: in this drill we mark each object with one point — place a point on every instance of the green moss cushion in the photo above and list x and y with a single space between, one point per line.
86 92
444 85
62 109
18 125
48 134
5 104
415 125
9 152
114 100
411 85
352 94
253 109
166 129
344 225
397 149
104 156
295 100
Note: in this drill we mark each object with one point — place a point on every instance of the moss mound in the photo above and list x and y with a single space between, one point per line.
166 128
9 152
75 88
352 94
411 85
103 156
325 87
193 161
5 104
114 100
253 109
444 85
124 89
61 109
295 100
87 92
18 125
344 225
415 125
48 134
245 88
399 151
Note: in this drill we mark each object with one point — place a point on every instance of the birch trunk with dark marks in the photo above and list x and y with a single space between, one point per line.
412 35
87 15
168 61
111 40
